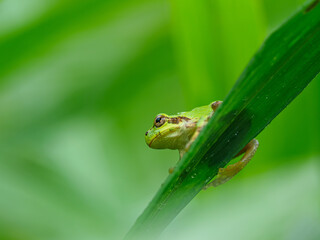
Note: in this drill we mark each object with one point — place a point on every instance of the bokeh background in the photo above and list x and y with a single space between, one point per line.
80 83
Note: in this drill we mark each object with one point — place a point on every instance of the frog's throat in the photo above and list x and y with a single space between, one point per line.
164 133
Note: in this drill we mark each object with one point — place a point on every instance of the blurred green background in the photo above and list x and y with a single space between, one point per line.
81 82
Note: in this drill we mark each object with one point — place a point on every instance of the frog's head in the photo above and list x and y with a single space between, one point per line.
169 132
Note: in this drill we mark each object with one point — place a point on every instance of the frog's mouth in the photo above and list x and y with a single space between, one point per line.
163 134
154 139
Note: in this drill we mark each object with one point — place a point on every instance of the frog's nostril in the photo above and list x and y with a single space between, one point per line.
147 133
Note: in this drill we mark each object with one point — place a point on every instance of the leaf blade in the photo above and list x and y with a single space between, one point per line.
285 64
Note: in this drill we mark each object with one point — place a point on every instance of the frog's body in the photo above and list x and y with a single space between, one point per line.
179 132
176 130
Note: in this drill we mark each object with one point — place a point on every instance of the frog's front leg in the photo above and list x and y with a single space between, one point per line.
201 123
225 174
199 126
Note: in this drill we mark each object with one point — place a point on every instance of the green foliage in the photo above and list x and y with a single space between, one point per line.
80 84
282 68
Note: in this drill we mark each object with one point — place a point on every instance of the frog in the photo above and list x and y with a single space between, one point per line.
179 131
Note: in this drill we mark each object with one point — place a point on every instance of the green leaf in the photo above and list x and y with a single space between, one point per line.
287 61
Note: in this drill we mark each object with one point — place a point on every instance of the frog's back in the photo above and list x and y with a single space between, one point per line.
197 112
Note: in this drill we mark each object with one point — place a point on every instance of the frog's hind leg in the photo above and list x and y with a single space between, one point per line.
225 174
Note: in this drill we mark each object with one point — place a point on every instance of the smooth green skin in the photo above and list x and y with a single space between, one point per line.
178 135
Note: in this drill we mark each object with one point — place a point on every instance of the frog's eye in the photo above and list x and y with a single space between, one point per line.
159 120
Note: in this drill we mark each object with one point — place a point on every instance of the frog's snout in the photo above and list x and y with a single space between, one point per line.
147 138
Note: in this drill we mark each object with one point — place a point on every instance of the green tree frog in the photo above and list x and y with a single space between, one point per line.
179 132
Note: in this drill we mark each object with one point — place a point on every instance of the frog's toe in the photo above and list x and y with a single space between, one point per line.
215 105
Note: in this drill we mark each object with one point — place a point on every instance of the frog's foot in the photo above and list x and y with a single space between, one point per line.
170 170
215 105
225 174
